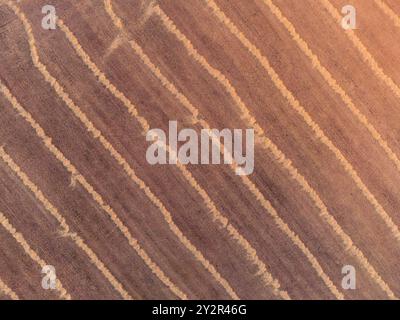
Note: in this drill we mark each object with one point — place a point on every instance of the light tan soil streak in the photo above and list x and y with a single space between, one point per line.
219 217
266 204
378 26
22 242
130 172
316 128
367 57
108 146
114 73
287 164
64 228
7 291
170 256
295 103
23 276
145 126
389 12
187 65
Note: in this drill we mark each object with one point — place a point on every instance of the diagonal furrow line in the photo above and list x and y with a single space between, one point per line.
118 157
308 119
389 12
279 156
7 291
324 139
96 197
268 143
251 252
129 171
195 113
367 56
65 229
24 244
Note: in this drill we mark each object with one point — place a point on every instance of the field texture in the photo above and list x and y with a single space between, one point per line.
76 190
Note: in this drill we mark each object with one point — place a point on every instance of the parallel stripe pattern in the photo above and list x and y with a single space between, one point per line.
7 291
347 242
371 62
20 238
195 114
